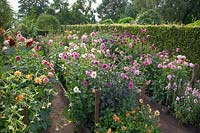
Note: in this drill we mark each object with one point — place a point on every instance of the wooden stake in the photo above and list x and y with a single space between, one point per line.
25 111
96 107
194 75
145 86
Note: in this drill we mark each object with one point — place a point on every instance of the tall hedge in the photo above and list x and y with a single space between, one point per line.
163 36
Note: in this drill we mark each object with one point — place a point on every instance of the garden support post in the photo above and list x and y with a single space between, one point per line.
25 111
194 75
96 107
145 86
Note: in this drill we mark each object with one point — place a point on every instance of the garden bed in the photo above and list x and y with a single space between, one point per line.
105 77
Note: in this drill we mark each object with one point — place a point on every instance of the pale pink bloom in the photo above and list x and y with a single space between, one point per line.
129 57
89 72
174 67
22 39
4 49
35 55
94 74
178 50
52 70
191 65
169 77
143 30
179 67
175 85
170 65
179 61
38 47
126 68
50 41
123 75
130 45
60 55
50 74
139 91
102 47
6 42
160 66
186 63
177 98
93 34
84 38
195 93
168 87
148 36
19 35
164 67
45 80
181 57
107 52
137 72
69 37
195 101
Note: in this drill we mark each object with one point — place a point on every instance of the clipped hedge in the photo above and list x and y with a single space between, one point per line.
196 23
164 36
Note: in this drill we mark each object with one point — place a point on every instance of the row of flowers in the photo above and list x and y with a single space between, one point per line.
26 85
118 64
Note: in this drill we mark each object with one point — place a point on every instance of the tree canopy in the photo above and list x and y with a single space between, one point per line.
6 13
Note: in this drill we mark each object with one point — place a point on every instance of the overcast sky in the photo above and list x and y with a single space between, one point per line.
14 3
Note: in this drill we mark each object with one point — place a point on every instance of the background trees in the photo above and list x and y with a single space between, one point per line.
6 13
110 9
26 7
83 11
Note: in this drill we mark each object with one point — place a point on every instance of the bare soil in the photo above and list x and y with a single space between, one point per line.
57 121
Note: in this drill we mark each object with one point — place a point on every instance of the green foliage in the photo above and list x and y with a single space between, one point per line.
196 23
125 20
178 11
134 121
47 23
107 21
23 29
149 17
6 14
110 9
19 89
26 7
165 37
185 104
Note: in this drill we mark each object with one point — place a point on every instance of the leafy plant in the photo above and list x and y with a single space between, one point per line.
125 20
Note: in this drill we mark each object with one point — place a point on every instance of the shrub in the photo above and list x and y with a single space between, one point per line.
149 17
125 20
23 29
196 23
107 21
47 23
